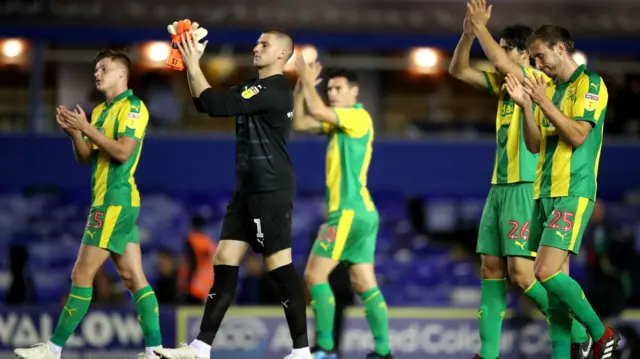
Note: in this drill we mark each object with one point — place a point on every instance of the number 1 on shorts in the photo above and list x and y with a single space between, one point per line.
259 233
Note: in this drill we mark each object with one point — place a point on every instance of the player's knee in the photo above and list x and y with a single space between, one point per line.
363 277
492 268
313 277
227 256
133 280
543 271
82 278
521 272
520 278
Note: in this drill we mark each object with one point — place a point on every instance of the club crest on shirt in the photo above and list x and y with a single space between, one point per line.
250 92
590 102
133 119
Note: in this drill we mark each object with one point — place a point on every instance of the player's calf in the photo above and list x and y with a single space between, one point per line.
323 302
129 266
294 303
365 284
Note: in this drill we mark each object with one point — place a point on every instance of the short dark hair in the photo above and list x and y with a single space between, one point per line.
517 36
351 76
283 35
554 34
115 55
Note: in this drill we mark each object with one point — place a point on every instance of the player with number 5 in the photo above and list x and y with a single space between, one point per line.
566 129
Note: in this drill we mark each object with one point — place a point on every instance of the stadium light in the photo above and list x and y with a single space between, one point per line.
157 51
580 57
425 59
309 52
12 48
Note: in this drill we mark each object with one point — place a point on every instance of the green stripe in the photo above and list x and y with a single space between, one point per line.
352 152
502 171
489 85
594 80
545 180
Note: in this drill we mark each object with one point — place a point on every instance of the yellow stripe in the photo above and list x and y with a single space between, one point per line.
544 280
344 226
102 173
530 286
368 299
597 165
110 220
494 279
104 160
577 223
78 297
333 173
144 295
135 194
494 178
513 146
364 192
538 182
561 169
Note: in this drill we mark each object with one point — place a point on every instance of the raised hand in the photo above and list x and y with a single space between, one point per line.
516 91
479 13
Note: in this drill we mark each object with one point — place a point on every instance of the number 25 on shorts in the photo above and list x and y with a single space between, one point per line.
567 218
95 220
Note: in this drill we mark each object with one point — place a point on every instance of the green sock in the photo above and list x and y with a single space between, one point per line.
493 304
560 323
74 310
375 309
324 309
539 295
570 293
148 315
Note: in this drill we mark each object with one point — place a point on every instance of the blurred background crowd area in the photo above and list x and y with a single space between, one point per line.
443 129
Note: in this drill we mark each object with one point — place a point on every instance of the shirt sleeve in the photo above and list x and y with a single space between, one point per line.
494 81
133 122
591 99
327 128
534 73
255 99
354 122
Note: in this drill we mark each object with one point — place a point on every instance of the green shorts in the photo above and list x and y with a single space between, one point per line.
559 222
112 227
504 227
348 236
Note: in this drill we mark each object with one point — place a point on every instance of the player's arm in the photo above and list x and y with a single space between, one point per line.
531 122
496 54
531 128
317 108
301 121
195 97
591 99
231 103
131 128
460 67
82 148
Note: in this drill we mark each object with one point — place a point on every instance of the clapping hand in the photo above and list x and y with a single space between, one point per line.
516 91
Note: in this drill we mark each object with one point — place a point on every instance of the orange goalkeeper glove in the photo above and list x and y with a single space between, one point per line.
176 30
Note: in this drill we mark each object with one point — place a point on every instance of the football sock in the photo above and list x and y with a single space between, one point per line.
375 309
74 310
149 316
493 304
323 304
220 297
